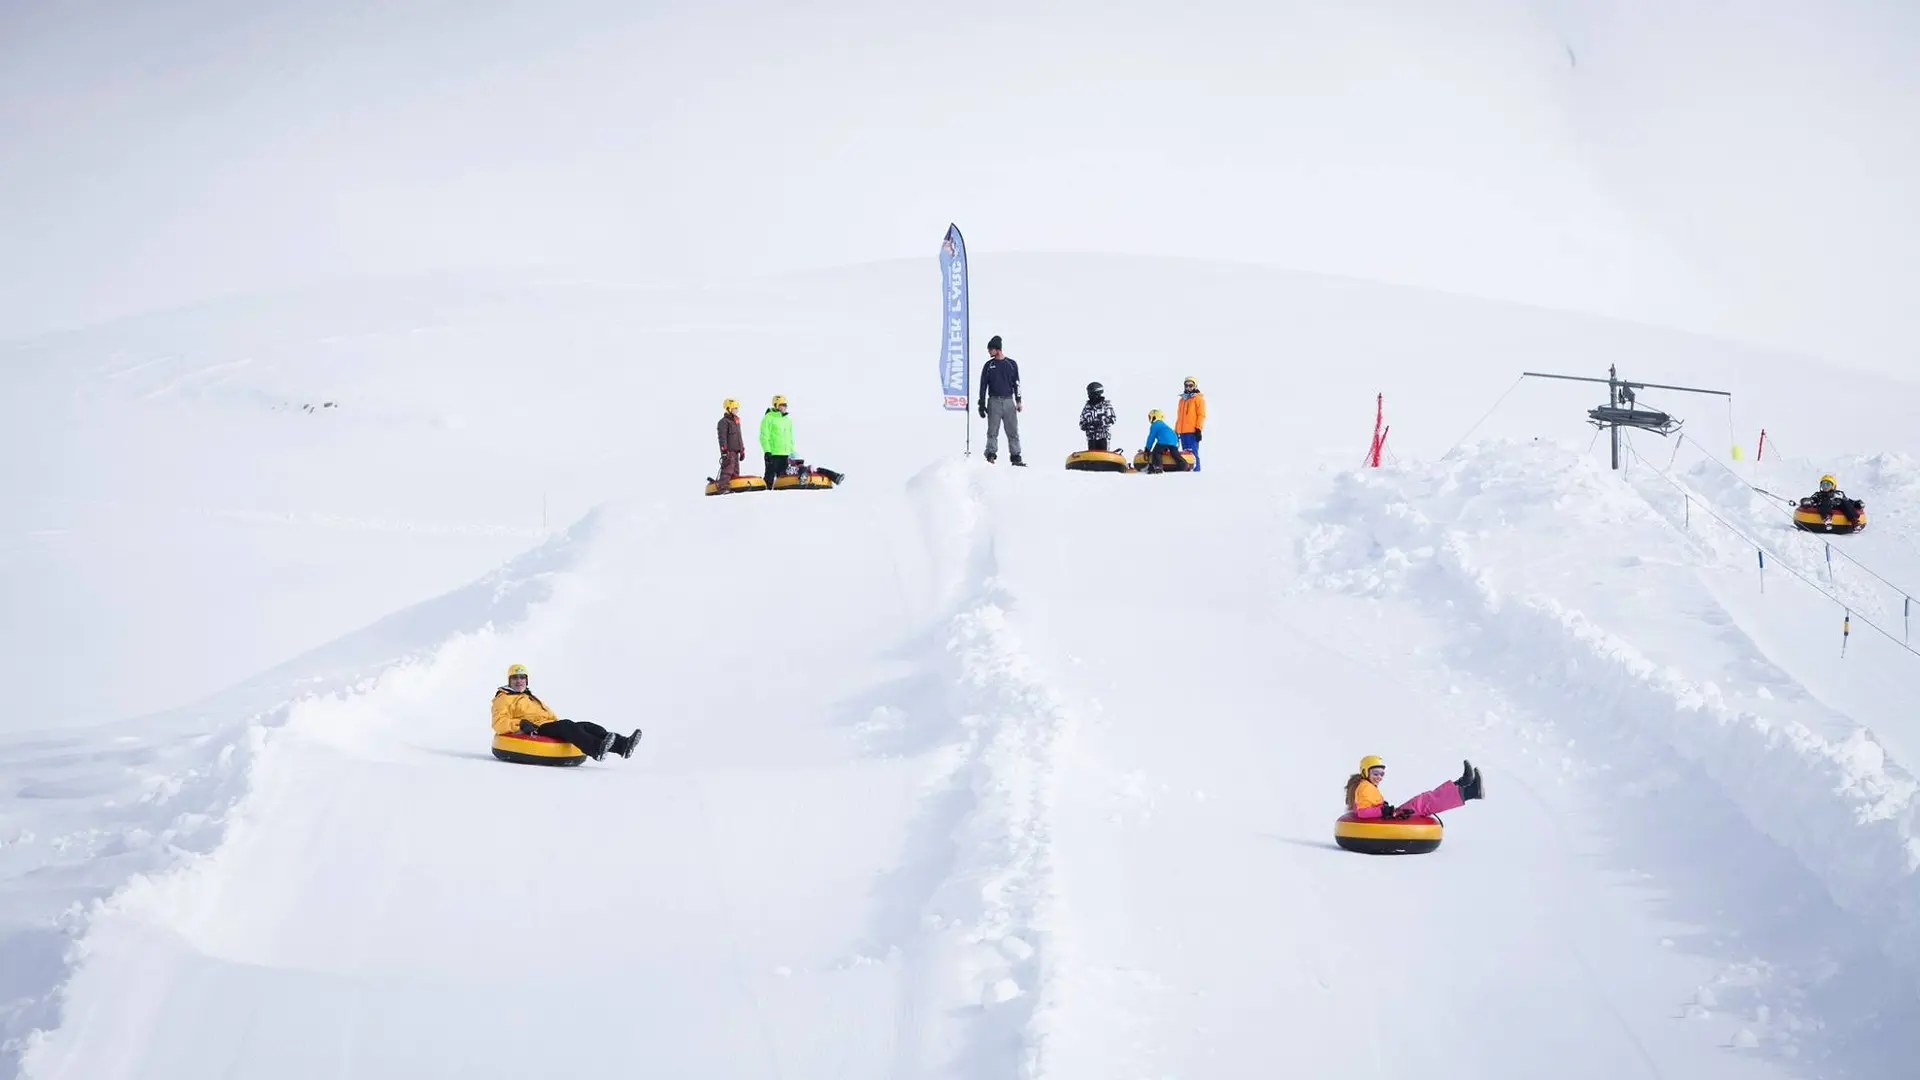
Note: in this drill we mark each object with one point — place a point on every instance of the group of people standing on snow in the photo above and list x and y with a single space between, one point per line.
776 443
1000 404
1163 443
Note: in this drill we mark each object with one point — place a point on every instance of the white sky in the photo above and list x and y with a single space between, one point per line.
1740 169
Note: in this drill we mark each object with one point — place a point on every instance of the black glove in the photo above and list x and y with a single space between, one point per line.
983 410
1196 436
527 728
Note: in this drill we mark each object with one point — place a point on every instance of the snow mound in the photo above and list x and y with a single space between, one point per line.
86 830
1591 605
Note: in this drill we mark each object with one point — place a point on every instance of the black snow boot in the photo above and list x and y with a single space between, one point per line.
1017 461
1472 789
606 744
1466 774
624 744
989 459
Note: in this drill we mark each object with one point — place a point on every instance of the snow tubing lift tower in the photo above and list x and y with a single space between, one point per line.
536 750
1098 461
1621 410
1414 835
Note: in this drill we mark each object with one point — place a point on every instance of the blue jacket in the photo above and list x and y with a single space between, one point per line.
1161 434
1000 378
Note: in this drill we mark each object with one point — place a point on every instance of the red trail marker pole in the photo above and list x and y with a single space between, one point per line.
1379 431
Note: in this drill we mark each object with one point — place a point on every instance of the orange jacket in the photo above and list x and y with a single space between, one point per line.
1365 794
510 708
1192 414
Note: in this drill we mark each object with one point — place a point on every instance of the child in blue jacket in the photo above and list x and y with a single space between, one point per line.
1162 440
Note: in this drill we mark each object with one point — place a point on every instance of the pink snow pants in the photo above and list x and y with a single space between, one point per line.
1439 800
1443 798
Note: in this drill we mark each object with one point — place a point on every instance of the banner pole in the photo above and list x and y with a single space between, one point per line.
956 355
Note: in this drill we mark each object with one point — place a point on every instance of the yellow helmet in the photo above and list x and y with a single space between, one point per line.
1156 415
1829 480
1371 761
516 669
730 404
779 399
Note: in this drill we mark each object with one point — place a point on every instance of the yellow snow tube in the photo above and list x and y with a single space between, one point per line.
1810 520
738 483
809 482
1166 459
536 750
1416 835
1097 461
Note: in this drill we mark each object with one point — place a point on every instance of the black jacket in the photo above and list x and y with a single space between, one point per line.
1000 378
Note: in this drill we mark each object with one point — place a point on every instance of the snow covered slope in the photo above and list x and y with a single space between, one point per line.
954 771
475 415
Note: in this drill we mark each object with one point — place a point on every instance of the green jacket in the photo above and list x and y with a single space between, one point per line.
776 433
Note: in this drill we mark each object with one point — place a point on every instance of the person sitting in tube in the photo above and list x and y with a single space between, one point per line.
1365 801
1830 501
517 712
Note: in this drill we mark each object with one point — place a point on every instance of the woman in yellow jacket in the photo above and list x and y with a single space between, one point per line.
1365 801
517 712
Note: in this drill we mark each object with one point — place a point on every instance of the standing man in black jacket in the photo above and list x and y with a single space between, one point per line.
1000 400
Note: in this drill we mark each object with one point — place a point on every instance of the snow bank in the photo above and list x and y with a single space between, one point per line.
105 819
1571 590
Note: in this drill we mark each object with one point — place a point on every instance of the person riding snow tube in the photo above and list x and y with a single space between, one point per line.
1828 510
526 732
1162 452
1374 826
804 477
